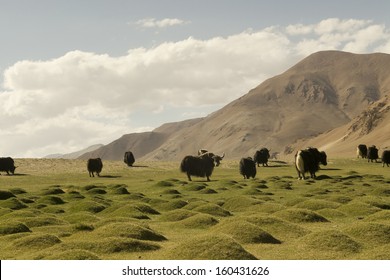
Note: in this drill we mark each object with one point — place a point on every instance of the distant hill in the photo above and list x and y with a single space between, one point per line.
77 154
330 99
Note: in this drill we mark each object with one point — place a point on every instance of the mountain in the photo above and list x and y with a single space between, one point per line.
326 96
77 154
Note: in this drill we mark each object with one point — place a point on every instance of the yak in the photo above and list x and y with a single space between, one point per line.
361 151
308 161
385 158
217 159
247 167
261 157
129 158
7 165
200 166
372 153
94 165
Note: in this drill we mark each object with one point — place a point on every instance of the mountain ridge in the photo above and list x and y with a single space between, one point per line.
323 92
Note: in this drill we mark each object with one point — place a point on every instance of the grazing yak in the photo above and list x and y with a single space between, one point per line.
247 168
372 154
94 165
361 151
129 158
7 165
200 166
217 159
385 158
261 157
308 161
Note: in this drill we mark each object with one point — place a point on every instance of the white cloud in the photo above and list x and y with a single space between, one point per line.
154 23
83 98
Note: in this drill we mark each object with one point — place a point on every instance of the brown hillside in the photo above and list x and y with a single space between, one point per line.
325 91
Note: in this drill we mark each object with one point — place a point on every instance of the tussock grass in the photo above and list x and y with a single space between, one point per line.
245 232
12 203
129 230
13 227
370 233
317 204
177 215
51 200
87 205
5 195
36 241
281 229
300 216
331 240
240 203
199 220
73 255
212 209
209 247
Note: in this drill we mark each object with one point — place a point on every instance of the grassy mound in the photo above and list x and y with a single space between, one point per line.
43 221
245 232
331 240
356 209
12 203
209 247
171 204
119 189
53 190
36 241
5 195
73 255
177 215
199 221
87 205
118 245
81 217
195 186
17 191
300 216
282 229
240 203
382 216
13 227
212 209
370 233
317 204
50 200
129 230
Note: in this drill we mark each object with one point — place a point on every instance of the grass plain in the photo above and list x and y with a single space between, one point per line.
52 209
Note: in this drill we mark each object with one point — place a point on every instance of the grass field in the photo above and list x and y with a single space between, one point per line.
52 209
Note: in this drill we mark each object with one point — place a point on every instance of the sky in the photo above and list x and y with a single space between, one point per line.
81 72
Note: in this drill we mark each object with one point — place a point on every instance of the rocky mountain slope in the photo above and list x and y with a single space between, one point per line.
325 97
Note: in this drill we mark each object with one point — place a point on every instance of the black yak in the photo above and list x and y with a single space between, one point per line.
94 165
7 165
261 157
200 166
129 158
217 159
247 168
308 161
385 158
372 154
361 151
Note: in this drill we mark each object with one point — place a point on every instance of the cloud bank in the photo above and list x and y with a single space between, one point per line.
84 98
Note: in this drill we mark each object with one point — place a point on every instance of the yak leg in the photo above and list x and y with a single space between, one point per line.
189 176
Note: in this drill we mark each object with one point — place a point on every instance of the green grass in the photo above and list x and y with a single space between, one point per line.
52 209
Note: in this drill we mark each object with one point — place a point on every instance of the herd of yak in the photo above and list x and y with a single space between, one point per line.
202 165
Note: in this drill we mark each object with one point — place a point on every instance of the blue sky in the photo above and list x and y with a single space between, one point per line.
77 73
